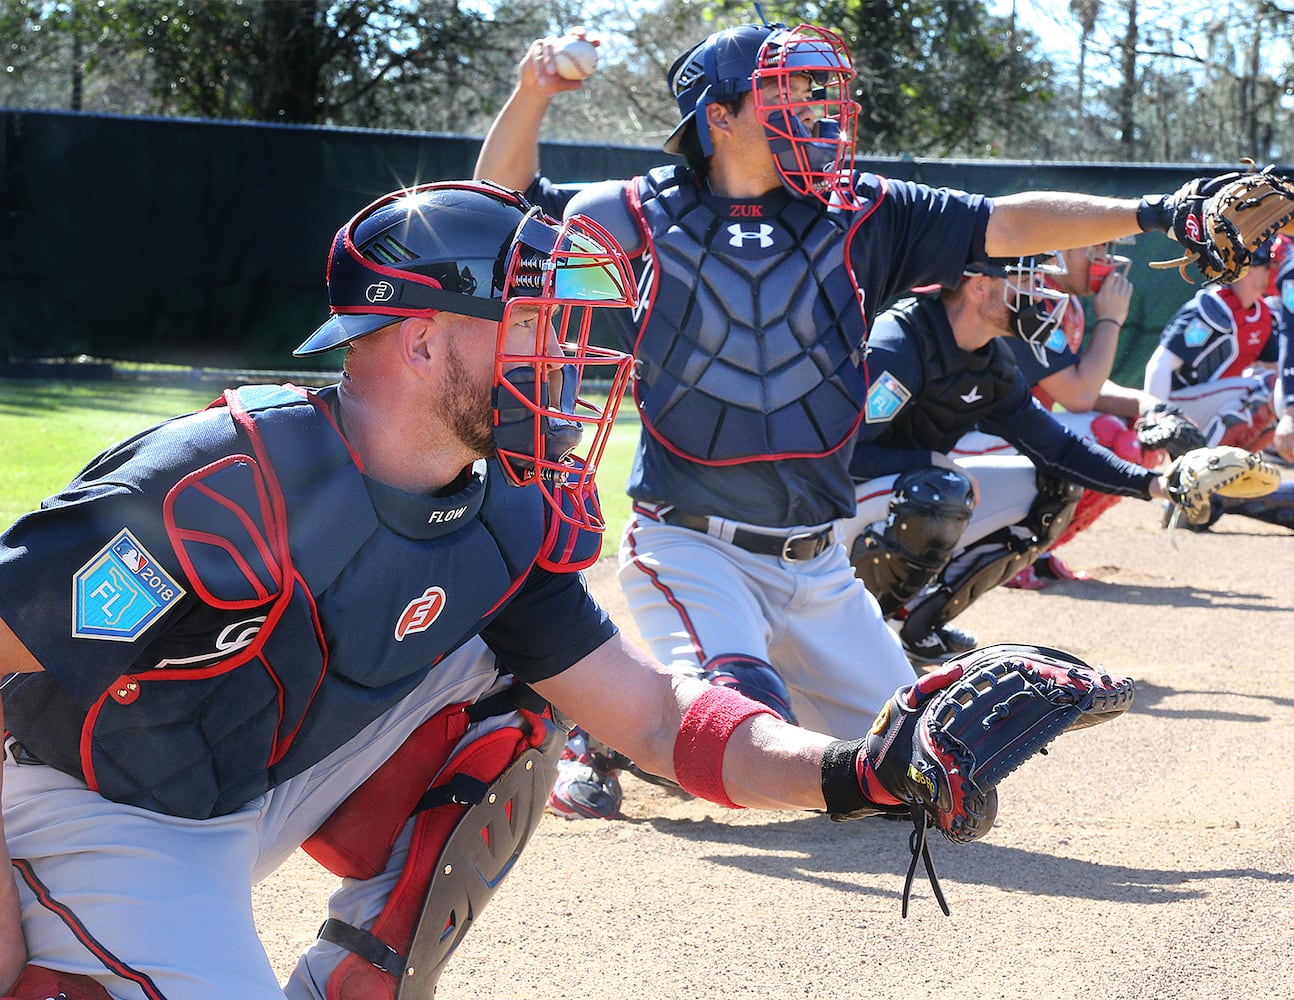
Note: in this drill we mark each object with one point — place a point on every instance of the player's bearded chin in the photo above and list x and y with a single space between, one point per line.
467 407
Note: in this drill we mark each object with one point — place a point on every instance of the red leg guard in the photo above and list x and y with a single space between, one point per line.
397 927
39 983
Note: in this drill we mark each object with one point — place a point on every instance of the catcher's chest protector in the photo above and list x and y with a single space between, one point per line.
1225 337
289 531
749 346
960 388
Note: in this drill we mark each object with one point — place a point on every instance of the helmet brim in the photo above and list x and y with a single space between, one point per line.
341 330
674 142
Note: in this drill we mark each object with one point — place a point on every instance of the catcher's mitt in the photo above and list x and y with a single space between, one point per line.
1225 470
1164 428
1220 221
941 745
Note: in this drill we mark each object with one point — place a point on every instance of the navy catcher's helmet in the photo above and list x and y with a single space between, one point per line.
476 249
438 247
811 129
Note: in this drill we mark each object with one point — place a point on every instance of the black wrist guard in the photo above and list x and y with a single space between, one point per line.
1155 213
840 787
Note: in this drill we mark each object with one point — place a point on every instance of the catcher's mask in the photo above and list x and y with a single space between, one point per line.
799 79
476 249
1104 260
1036 309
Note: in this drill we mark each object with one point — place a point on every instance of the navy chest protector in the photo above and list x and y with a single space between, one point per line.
960 389
743 355
353 614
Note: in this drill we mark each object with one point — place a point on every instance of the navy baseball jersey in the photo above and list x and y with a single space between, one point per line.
926 392
225 599
1285 330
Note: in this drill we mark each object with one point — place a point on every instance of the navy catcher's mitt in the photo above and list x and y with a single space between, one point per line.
940 746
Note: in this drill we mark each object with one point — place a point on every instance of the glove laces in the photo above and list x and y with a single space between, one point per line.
919 845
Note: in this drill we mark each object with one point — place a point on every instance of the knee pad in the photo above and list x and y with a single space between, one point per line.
1090 506
1253 430
468 829
753 678
996 558
40 983
930 510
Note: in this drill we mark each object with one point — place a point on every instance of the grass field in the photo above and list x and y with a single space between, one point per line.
50 429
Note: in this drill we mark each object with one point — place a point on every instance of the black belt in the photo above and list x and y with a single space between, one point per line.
796 547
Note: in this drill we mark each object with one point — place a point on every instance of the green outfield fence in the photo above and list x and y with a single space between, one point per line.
203 244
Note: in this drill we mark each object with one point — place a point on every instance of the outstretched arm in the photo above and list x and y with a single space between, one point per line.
638 706
510 153
1027 222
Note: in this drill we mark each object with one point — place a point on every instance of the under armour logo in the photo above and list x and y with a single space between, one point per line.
379 291
973 396
764 233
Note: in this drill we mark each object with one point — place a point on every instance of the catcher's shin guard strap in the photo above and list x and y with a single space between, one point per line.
703 736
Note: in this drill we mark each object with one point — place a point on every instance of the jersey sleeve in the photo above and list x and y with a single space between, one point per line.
1050 445
90 581
894 379
550 625
911 235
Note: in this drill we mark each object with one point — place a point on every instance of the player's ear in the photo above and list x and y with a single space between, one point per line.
418 347
718 118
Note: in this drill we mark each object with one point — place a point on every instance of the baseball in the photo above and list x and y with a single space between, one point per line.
575 57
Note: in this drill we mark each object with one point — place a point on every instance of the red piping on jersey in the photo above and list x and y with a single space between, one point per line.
79 931
268 557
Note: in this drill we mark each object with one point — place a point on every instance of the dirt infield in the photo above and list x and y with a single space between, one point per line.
1150 858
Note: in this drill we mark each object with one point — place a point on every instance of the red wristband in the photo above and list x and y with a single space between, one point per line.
703 736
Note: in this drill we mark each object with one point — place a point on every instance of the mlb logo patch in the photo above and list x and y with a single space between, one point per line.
885 398
119 593
1196 333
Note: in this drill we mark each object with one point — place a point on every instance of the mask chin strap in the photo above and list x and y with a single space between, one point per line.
515 422
801 156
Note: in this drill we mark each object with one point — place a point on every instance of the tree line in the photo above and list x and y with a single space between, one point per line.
1090 80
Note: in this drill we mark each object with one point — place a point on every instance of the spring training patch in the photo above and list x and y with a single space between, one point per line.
119 593
1197 332
885 398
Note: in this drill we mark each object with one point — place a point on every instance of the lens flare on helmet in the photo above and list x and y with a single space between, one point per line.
476 249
